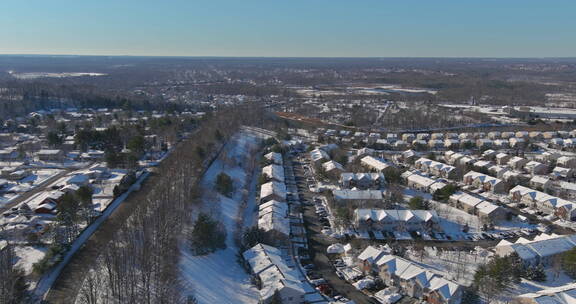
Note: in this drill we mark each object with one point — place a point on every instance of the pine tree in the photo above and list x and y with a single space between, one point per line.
537 273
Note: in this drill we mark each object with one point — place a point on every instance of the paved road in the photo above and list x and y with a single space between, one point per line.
48 279
65 289
39 188
317 244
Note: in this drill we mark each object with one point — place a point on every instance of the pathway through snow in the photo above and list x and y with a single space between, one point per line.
217 277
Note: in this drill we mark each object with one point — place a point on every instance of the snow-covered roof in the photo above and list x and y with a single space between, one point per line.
280 208
432 164
347 176
544 247
269 265
273 221
539 179
412 216
437 186
425 277
275 172
273 188
487 208
565 294
318 154
357 194
48 152
371 254
469 200
374 163
275 157
421 180
483 178
78 179
332 165
531 165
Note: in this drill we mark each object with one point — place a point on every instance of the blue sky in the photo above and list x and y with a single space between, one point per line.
323 28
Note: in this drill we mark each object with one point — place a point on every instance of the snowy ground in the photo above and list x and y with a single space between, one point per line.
453 219
456 265
554 278
218 278
46 281
27 256
36 178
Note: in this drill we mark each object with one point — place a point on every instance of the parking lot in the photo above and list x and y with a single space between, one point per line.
323 270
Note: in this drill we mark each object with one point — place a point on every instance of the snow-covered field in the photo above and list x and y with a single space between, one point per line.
217 277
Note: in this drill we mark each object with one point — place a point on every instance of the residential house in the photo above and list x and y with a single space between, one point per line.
501 144
540 182
367 259
374 164
319 156
484 143
272 191
395 220
566 161
418 281
435 168
494 135
435 144
274 157
274 172
484 182
536 168
53 155
561 172
419 182
540 250
273 219
517 142
408 137
517 163
268 265
332 168
357 198
489 154
362 181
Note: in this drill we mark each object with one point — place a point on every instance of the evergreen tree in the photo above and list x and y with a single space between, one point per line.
569 262
536 273
224 184
207 235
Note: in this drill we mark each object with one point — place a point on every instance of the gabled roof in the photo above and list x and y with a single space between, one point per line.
357 194
371 254
374 163
273 188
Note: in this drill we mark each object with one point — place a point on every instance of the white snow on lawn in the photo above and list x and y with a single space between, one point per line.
217 277
27 256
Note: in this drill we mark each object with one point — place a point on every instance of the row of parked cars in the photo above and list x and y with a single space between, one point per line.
322 213
525 232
